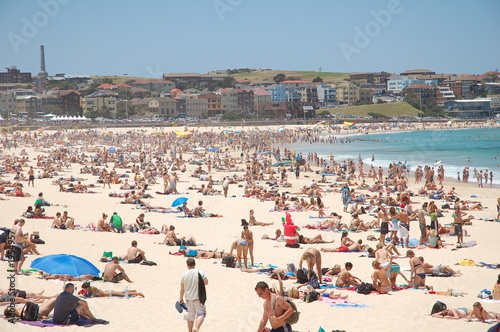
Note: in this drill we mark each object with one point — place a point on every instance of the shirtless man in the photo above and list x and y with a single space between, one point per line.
346 279
18 246
276 309
110 272
31 177
57 223
380 280
134 254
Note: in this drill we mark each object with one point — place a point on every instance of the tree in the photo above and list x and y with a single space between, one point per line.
231 116
412 99
318 80
105 112
380 101
324 113
279 78
130 82
107 80
294 78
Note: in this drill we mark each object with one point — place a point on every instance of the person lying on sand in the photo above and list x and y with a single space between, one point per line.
91 291
45 309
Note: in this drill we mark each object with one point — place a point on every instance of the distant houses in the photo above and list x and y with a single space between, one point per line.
215 94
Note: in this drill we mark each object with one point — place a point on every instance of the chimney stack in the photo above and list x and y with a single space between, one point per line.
42 72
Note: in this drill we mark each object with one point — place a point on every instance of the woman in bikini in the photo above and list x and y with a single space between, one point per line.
478 312
452 313
313 258
417 270
248 236
96 292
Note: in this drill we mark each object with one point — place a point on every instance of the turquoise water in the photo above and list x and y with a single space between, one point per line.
451 147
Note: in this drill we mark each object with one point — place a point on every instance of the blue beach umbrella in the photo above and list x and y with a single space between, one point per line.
112 149
65 264
214 149
179 201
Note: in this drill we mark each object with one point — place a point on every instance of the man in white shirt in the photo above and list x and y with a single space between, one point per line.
196 311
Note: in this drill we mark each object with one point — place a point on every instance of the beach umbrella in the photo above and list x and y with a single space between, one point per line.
194 162
179 201
281 130
65 264
112 149
214 149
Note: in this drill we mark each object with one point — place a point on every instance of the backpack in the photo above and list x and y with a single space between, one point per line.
229 261
202 292
293 318
438 307
30 311
365 288
313 280
302 276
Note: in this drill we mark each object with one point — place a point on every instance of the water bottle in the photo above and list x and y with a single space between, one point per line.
126 292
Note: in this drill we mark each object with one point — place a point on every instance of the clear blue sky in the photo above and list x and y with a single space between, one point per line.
149 37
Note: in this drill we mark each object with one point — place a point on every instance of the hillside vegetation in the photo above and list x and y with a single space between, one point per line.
268 75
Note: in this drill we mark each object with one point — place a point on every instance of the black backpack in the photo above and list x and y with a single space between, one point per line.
302 277
313 280
365 288
229 261
438 307
202 292
30 311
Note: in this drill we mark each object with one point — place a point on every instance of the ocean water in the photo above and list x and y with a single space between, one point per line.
451 148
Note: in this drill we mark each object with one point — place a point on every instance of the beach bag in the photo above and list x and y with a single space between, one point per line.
302 276
365 288
30 311
192 253
229 261
313 280
438 307
293 318
202 292
485 294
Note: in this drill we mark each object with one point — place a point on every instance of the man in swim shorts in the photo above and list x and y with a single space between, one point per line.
276 309
110 272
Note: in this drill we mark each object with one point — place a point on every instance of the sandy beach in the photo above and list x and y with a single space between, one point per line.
232 303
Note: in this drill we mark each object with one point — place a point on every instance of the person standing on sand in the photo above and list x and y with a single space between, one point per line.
480 179
225 185
17 247
196 311
276 309
31 177
422 223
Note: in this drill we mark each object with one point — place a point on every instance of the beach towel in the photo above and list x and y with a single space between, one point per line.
350 305
50 323
490 266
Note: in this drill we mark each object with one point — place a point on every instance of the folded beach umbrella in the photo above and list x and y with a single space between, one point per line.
65 264
179 201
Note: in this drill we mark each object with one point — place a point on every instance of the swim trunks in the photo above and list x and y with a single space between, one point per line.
284 328
343 249
384 228
243 243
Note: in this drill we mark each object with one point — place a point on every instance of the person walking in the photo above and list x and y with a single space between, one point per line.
190 291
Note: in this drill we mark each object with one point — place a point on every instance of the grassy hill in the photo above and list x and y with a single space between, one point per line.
267 75
384 110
